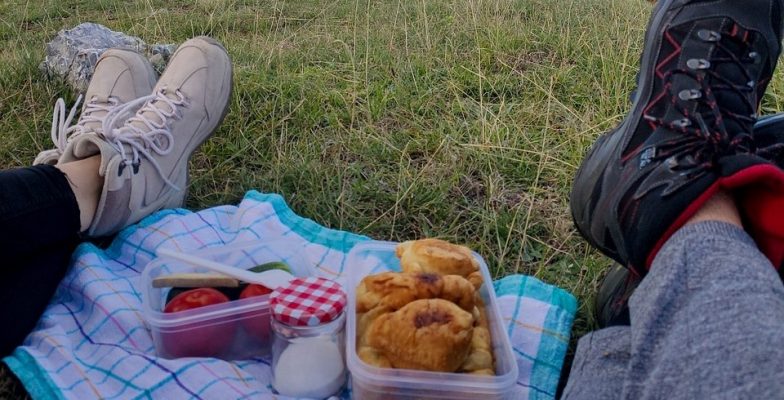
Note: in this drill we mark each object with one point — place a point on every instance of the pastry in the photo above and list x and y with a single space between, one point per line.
394 290
372 356
432 335
428 317
364 320
438 257
480 358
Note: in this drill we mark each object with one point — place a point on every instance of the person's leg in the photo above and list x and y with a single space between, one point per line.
117 168
44 208
703 322
600 365
601 357
38 209
706 322
39 229
27 287
38 204
42 211
86 185
144 159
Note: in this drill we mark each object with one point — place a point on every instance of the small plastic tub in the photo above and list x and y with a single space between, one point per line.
234 330
371 383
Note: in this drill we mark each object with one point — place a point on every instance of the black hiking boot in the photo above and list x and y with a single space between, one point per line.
704 69
612 299
619 283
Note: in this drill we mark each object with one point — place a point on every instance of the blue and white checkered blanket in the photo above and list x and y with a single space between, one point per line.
92 341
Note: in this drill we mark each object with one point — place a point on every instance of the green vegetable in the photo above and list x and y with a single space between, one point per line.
271 265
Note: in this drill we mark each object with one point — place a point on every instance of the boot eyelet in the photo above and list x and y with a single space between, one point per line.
754 57
682 123
689 94
708 35
698 63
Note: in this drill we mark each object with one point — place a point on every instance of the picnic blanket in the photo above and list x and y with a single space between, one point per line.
92 341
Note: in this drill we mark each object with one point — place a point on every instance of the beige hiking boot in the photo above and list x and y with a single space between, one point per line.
144 162
120 76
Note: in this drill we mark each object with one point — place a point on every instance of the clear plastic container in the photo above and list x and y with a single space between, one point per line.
238 329
371 383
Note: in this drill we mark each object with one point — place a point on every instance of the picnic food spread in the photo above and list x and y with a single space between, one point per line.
430 316
427 317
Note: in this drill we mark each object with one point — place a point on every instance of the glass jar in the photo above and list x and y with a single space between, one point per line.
315 355
308 339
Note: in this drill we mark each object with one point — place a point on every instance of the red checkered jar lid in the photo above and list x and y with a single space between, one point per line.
308 302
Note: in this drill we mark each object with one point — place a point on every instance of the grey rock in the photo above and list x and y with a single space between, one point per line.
73 53
159 55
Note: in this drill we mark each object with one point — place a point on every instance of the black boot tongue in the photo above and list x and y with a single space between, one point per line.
735 95
734 110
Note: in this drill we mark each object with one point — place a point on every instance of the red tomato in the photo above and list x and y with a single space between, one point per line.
254 290
197 339
195 298
257 326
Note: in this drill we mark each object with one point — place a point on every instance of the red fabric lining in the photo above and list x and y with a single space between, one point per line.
759 192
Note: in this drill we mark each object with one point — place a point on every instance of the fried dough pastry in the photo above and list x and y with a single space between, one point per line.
429 317
480 357
426 334
371 356
439 257
364 320
393 290
366 353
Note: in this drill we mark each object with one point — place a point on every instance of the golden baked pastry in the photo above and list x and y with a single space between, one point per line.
364 320
480 357
432 335
428 317
393 290
438 257
371 356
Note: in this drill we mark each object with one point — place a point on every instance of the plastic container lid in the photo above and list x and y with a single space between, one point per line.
308 301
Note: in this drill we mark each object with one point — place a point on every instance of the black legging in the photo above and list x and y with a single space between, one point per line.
39 230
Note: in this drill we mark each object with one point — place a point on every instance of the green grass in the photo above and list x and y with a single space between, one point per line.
400 119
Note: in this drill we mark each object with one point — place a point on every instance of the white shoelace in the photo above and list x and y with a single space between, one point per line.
156 139
62 130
